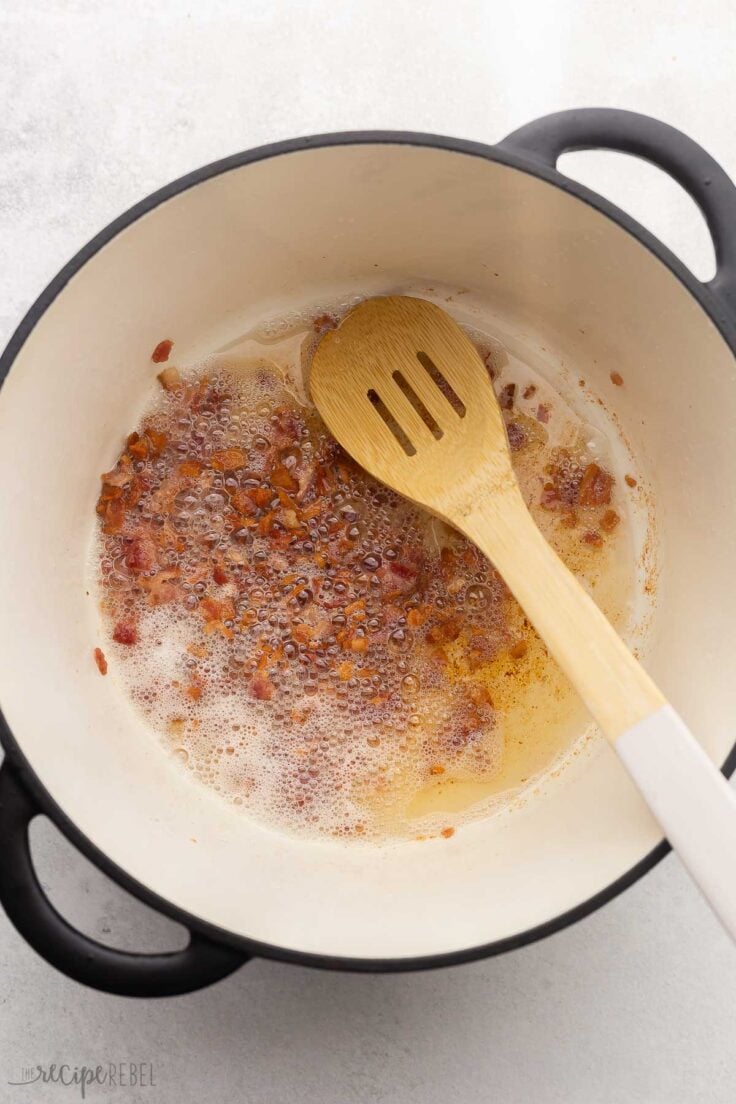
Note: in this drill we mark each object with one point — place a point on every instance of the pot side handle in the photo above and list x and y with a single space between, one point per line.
83 959
546 139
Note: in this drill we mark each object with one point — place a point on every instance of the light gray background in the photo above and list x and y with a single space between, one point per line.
100 104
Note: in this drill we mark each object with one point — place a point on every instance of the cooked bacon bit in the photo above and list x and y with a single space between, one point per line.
436 768
416 617
488 361
261 687
569 520
595 487
125 632
162 351
113 514
137 446
158 441
617 379
220 576
216 609
161 587
198 650
345 670
261 496
530 391
194 691
230 459
507 396
445 632
359 644
353 607
543 413
170 379
609 521
100 661
190 469
282 477
519 649
324 322
299 716
302 633
447 833
141 555
630 481
517 436
561 491
592 537
480 694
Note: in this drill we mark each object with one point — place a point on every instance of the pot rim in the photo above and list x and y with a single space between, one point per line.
501 154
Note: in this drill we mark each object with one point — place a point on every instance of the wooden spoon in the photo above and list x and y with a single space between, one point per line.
406 393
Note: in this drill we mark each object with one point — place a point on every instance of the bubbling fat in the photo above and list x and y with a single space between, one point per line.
307 644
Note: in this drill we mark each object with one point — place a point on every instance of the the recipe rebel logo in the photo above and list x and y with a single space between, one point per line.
107 1075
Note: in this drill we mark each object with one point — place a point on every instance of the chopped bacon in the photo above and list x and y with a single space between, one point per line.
230 459
125 632
446 631
609 521
592 537
162 587
595 487
137 446
220 575
216 609
324 322
190 469
507 396
517 436
140 555
543 413
170 379
282 477
261 687
162 351
100 661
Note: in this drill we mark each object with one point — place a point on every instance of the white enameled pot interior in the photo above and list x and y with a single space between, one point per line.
242 246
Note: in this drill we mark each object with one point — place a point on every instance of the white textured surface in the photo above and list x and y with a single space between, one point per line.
103 103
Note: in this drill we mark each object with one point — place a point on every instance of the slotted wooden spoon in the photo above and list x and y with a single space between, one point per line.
405 392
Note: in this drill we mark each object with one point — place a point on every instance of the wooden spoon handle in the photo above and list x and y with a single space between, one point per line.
688 795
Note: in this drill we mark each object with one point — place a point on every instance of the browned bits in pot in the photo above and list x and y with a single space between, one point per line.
100 660
593 538
447 833
543 413
162 351
530 390
519 649
630 481
617 379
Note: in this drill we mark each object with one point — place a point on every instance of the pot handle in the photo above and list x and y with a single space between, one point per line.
545 139
74 954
